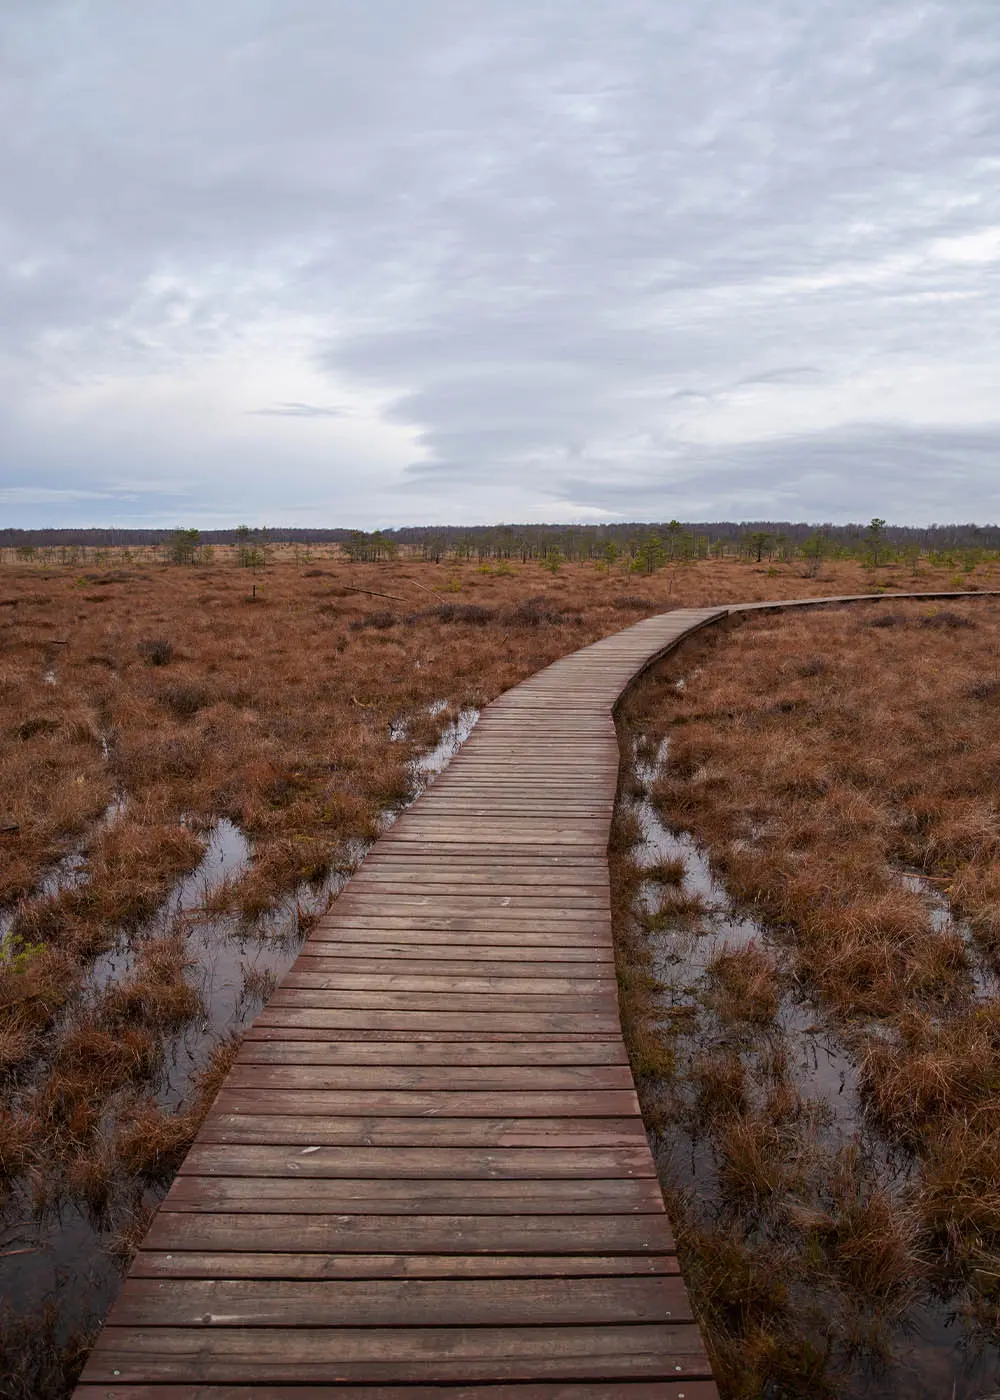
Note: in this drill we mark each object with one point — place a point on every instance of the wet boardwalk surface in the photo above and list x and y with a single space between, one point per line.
427 1174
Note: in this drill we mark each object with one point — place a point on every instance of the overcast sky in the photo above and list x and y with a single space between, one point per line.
377 262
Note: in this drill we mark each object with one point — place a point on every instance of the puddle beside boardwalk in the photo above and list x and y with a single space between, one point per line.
63 1250
428 765
933 1355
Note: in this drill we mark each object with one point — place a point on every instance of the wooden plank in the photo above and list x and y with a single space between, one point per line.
482 1003
386 1302
549 1079
473 902
562 896
360 1029
558 1390
331 959
569 863
413 843
381 1103
502 928
227 1264
424 869
340 1052
438 1354
414 1196
477 1023
516 957
447 1163
259 1126
450 986
246 1232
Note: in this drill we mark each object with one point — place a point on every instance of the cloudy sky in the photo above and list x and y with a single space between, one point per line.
374 262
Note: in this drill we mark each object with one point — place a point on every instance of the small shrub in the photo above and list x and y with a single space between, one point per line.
746 984
382 620
668 871
39 1360
752 1169
872 1240
946 618
985 689
155 651
18 1134
184 698
465 612
631 602
533 612
37 724
720 1083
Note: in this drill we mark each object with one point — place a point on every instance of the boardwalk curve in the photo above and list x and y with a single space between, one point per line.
427 1173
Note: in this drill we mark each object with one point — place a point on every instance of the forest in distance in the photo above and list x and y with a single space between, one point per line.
698 539
624 548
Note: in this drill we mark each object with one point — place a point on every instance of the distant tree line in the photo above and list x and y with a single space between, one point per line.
675 539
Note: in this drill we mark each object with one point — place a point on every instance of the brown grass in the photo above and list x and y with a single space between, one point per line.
191 697
277 714
817 757
156 994
38 1360
746 984
152 1142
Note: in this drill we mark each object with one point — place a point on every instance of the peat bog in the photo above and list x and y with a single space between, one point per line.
807 906
193 761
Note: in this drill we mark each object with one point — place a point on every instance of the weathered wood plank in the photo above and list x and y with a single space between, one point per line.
503 929
414 1196
431 1078
481 1003
456 1267
557 1390
412 1302
309 1129
475 1023
379 1103
336 979
332 959
245 1232
376 1354
437 1163
510 957
317 1051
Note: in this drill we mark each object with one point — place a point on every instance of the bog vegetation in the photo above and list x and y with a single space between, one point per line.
812 989
157 699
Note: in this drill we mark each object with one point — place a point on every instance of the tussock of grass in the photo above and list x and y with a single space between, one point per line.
38 1360
746 984
151 1142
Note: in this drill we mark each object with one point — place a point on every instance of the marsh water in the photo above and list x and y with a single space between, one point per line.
927 1352
62 1252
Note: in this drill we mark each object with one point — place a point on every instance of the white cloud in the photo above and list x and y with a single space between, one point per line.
369 263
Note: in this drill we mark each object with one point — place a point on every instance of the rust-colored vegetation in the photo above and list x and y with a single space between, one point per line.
143 703
841 770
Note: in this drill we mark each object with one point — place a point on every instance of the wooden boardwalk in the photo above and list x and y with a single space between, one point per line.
426 1174
427 1167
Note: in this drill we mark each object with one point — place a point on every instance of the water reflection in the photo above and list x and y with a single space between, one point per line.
933 1350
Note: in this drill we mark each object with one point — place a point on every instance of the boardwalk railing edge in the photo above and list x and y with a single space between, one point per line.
427 1166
